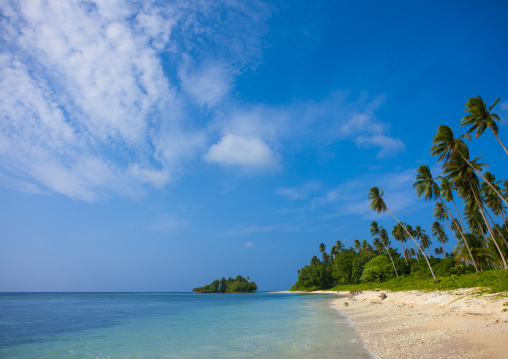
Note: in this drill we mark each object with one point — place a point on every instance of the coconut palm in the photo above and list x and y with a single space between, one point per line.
426 242
480 118
438 251
378 204
447 195
417 232
491 199
467 182
446 147
440 234
425 184
383 236
400 235
378 245
357 245
480 253
339 245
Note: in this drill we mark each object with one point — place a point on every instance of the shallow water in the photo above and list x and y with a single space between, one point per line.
174 325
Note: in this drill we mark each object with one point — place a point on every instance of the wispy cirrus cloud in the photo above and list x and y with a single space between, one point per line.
96 97
301 192
367 131
350 198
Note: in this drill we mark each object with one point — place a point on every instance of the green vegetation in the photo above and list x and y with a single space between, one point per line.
230 285
481 233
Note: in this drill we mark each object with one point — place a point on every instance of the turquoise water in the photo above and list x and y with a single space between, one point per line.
174 325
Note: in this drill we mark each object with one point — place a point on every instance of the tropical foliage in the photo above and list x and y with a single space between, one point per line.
230 285
480 232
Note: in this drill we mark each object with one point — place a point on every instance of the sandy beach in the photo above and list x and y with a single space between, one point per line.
449 324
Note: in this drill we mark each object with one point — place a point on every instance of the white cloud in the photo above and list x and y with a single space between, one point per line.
301 192
350 198
368 132
389 146
248 153
249 245
207 85
91 107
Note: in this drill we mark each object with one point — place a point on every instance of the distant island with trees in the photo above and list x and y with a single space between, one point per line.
230 285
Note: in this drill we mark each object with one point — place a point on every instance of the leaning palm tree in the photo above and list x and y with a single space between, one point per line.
378 204
469 188
383 240
480 118
425 184
446 147
491 200
447 195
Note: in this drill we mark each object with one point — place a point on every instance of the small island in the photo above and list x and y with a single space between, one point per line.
230 285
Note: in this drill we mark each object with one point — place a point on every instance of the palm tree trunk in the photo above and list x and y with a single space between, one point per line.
444 252
479 174
403 252
420 248
395 269
498 231
480 207
460 230
458 214
495 134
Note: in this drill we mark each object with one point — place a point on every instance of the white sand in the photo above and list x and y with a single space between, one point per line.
450 324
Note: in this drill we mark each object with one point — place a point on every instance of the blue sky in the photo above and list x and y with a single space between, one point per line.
157 146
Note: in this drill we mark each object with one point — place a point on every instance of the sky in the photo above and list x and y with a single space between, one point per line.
160 145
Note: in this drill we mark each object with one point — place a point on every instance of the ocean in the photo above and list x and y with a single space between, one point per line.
174 325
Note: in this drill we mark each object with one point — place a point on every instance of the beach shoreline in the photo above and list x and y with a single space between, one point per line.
445 324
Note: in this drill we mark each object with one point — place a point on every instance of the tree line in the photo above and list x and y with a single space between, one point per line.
480 233
230 285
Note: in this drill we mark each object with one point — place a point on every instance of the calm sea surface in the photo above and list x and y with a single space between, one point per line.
174 325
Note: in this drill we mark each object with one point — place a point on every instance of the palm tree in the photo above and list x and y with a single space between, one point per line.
366 248
446 146
438 251
426 242
491 200
447 194
376 230
469 188
440 234
339 245
399 234
357 245
480 253
383 235
378 245
425 184
378 204
480 118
